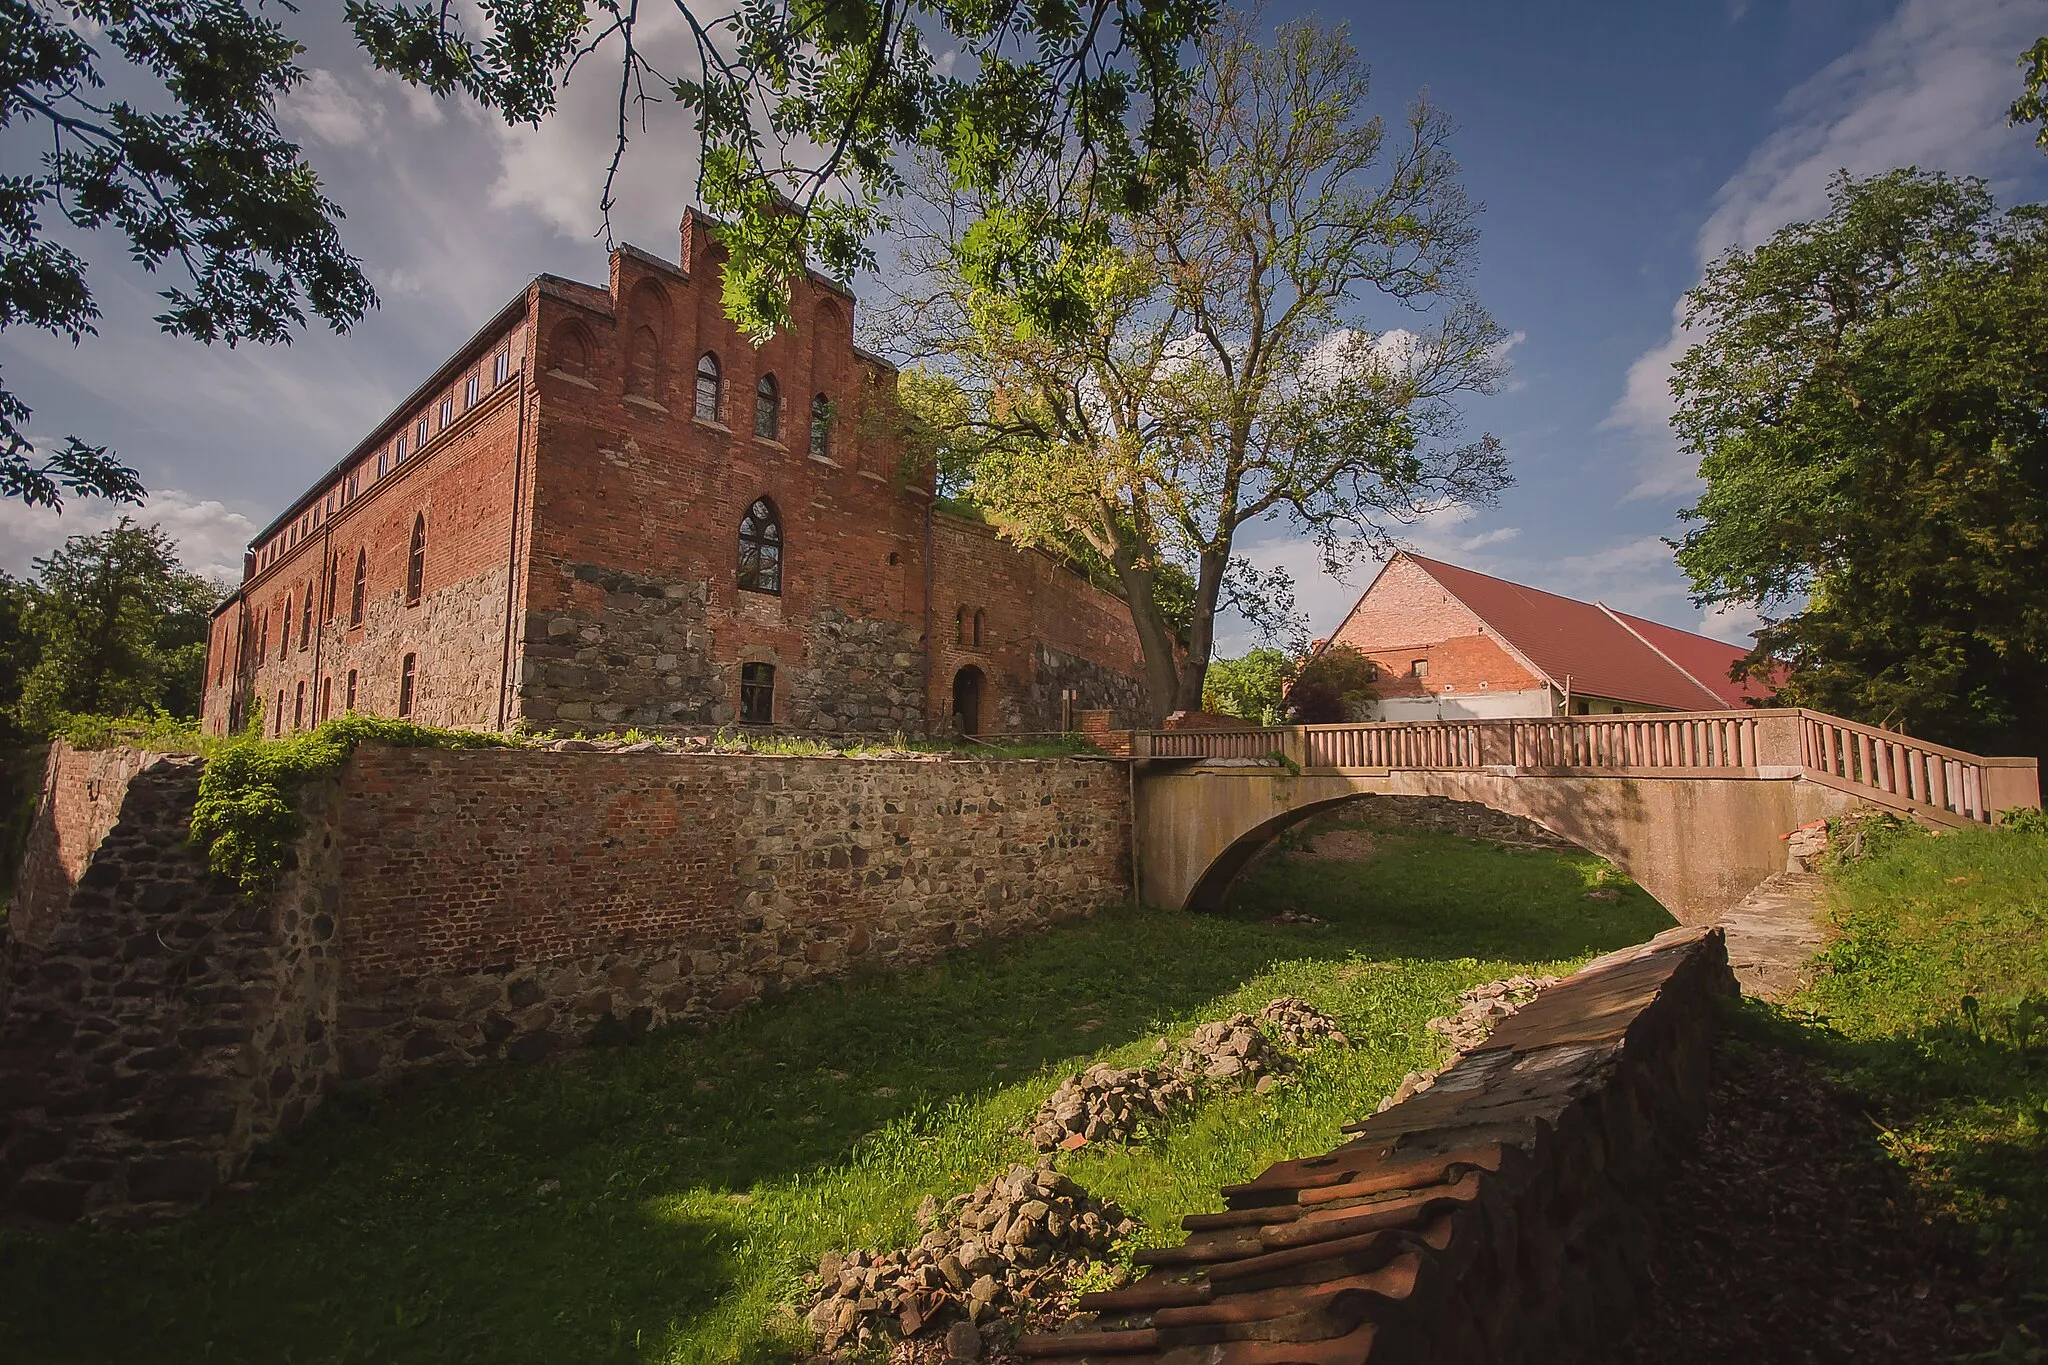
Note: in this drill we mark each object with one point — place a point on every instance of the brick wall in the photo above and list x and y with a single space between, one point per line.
1406 615
1032 628
450 908
463 487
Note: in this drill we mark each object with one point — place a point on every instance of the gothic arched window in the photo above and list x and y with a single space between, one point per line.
707 387
761 548
355 601
767 408
416 559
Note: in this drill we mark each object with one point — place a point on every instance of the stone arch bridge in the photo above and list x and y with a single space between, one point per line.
1692 805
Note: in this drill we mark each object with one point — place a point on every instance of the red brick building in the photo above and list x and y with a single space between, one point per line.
611 508
1452 644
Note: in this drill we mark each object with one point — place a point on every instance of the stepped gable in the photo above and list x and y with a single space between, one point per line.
1491 1217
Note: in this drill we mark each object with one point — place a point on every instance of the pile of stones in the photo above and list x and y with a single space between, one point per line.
1479 1011
1302 1025
1109 1104
1010 1243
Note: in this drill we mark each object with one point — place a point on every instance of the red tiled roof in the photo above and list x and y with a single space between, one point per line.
1707 660
1594 648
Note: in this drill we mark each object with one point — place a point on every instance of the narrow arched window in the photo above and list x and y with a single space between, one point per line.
349 702
306 617
821 427
284 634
416 560
761 548
408 678
757 694
960 626
326 698
263 639
978 615
707 387
299 706
355 601
333 576
767 408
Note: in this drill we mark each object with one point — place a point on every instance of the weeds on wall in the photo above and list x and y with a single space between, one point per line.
247 812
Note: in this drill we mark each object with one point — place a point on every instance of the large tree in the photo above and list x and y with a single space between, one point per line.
799 108
1234 361
114 626
1869 404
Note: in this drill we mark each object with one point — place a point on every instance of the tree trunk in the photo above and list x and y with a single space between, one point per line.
1162 670
1194 670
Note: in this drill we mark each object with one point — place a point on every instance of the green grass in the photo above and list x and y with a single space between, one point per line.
701 1173
1933 1006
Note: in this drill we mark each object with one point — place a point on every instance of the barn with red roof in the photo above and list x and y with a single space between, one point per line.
1453 644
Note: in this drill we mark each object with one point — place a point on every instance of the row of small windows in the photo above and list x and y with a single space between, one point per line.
967 627
415 581
767 406
408 685
388 459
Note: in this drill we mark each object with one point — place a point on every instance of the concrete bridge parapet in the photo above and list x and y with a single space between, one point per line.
1693 806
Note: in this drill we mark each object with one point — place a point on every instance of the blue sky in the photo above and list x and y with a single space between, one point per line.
1616 147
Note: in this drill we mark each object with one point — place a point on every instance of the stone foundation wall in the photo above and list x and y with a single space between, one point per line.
461 907
1446 816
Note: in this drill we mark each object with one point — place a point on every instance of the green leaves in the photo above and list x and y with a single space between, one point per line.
1867 404
207 184
804 107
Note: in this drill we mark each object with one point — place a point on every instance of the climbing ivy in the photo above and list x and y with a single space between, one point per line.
247 810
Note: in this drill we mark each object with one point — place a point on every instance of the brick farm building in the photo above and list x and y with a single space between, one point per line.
611 508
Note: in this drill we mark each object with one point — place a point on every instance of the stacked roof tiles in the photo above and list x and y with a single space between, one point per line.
1491 1217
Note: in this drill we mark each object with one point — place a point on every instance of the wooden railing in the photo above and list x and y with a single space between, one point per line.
1892 769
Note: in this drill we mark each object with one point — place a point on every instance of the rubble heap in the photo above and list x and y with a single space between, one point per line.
1302 1025
1008 1243
1106 1104
1479 1010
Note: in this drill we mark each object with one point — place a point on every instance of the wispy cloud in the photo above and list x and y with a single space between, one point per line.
1928 88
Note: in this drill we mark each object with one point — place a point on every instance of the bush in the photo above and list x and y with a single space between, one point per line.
1333 686
247 810
1252 688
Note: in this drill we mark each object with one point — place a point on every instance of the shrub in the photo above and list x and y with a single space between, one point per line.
1333 686
247 810
1251 688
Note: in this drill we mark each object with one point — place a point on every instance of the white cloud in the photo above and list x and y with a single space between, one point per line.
1928 88
210 535
329 111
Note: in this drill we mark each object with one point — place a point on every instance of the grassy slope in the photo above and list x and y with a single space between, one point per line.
1925 923
701 1173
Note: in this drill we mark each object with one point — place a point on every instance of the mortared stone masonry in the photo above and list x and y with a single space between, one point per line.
451 908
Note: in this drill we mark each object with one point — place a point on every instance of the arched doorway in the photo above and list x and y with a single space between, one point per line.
967 685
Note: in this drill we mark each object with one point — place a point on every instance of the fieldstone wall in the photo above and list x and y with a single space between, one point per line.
1446 816
461 907
862 675
160 1028
639 652
1094 687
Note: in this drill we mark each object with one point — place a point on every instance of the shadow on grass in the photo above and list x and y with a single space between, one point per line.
613 1205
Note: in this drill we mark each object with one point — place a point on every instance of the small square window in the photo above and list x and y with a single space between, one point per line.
1419 668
